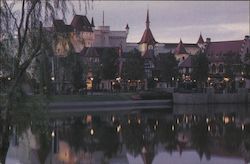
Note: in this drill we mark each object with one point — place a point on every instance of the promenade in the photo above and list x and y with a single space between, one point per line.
95 106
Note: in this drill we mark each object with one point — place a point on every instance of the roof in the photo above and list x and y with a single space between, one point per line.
60 26
187 63
81 23
147 37
200 40
223 47
180 49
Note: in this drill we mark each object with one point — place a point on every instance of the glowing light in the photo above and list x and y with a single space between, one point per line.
139 121
209 128
113 118
118 128
52 78
207 120
226 120
242 127
92 132
157 122
172 127
9 78
129 121
155 127
177 121
53 134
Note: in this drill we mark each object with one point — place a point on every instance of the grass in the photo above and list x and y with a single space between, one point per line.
87 98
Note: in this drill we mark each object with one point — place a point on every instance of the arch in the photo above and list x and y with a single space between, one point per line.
221 68
213 68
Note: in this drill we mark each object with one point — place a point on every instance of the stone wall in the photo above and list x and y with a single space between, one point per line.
210 97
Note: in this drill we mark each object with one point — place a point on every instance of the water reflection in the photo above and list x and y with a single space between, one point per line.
189 134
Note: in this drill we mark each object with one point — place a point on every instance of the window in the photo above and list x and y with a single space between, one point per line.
213 68
220 68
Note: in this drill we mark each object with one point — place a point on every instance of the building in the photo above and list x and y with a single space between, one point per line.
104 37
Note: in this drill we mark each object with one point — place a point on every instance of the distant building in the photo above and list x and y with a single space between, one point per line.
218 52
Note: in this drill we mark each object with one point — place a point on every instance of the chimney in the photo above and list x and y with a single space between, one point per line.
208 40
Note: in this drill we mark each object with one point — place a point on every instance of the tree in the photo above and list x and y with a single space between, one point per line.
133 68
22 41
232 65
246 64
168 66
108 64
200 68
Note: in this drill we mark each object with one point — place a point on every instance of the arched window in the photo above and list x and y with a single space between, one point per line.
221 68
213 68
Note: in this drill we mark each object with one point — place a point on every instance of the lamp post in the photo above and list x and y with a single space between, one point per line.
52 146
92 85
226 80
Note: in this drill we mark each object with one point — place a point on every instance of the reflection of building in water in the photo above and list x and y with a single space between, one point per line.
186 129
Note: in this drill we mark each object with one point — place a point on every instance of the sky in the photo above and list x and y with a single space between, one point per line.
172 20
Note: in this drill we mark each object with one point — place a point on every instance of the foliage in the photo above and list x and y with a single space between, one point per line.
200 67
232 64
133 68
200 138
168 66
108 61
246 65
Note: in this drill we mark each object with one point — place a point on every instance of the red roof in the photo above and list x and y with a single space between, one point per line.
217 50
60 26
223 47
180 49
147 37
81 23
200 40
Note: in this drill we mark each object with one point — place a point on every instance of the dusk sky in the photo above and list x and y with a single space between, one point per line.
170 20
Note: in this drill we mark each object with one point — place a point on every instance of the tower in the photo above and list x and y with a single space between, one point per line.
147 41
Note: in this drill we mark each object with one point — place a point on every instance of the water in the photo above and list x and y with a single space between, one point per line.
182 135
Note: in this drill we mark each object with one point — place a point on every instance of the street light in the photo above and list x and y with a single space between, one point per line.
52 78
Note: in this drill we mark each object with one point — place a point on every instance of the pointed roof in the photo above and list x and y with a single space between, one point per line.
92 22
147 20
180 49
60 26
81 23
200 40
147 36
127 27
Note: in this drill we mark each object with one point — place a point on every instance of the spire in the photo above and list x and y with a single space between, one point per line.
147 36
127 27
200 40
147 21
180 49
92 22
102 18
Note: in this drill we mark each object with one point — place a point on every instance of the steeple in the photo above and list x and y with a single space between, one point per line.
147 36
180 49
92 22
147 20
200 40
102 18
